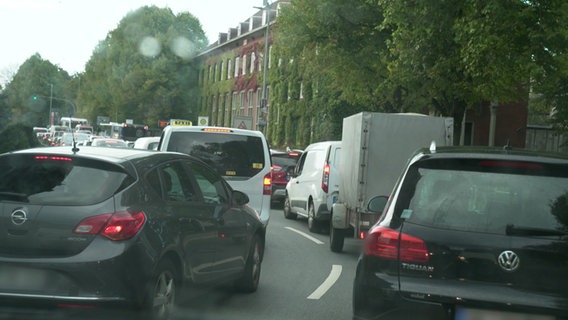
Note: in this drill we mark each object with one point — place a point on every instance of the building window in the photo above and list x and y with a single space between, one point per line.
226 117
208 73
269 56
258 99
234 105
214 73
252 61
213 114
237 59
250 103
221 71
242 103
244 64
229 61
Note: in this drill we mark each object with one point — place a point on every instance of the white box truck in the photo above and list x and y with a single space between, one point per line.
375 148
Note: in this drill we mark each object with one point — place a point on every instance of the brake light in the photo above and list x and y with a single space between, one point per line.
114 226
325 178
267 184
52 158
384 243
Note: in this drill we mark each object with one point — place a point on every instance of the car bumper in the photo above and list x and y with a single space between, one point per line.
377 295
278 193
101 274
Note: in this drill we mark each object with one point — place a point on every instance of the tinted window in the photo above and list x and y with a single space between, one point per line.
172 183
284 161
230 155
59 180
211 185
481 196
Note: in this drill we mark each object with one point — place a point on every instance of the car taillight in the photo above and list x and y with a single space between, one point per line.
267 184
114 226
384 243
325 178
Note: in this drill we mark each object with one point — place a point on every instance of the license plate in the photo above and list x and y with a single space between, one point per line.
479 314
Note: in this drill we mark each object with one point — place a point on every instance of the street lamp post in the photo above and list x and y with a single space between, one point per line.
50 104
264 101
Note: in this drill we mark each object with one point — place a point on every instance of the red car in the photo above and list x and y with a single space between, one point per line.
283 164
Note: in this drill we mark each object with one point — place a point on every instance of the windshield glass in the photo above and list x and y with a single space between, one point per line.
40 180
231 155
470 196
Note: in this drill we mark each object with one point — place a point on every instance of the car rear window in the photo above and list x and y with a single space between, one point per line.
284 160
231 155
486 195
59 180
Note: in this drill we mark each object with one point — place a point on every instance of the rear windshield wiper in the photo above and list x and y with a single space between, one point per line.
4 195
513 230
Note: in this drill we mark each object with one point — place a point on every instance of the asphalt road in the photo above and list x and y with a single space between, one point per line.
300 279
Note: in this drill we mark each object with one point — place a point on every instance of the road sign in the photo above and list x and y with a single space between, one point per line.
180 122
242 122
203 121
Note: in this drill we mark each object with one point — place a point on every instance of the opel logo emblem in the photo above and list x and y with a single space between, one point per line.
508 261
19 217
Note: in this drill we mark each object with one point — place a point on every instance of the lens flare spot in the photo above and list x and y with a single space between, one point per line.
183 48
150 47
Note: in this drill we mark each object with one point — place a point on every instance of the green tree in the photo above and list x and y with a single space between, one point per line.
37 85
439 56
17 136
143 70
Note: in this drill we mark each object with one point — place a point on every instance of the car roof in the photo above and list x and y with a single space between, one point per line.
226 130
493 153
322 145
115 155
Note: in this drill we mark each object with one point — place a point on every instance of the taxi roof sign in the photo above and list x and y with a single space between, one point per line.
180 122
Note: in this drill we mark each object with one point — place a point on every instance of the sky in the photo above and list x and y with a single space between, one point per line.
66 32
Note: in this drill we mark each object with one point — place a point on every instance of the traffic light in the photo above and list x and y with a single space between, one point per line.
35 97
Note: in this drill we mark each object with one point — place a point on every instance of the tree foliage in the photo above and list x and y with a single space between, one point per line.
430 56
37 87
143 70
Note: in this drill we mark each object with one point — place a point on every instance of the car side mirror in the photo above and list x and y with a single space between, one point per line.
377 204
240 198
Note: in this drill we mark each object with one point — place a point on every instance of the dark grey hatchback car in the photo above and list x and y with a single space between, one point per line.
120 226
470 234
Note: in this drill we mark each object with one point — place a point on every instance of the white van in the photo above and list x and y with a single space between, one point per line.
242 157
314 185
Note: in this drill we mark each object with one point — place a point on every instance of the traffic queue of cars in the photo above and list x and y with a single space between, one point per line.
467 233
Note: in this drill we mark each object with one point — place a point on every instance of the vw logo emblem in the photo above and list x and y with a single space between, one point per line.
508 261
19 217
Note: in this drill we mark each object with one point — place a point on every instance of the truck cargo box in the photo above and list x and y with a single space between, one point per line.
376 146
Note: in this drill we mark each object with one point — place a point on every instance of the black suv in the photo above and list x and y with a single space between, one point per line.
470 234
81 228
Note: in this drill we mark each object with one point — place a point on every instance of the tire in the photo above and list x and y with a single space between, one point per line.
288 214
313 224
336 239
161 293
251 277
